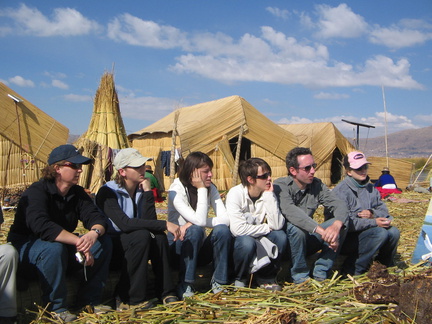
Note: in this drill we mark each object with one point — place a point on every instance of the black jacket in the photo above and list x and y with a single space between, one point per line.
43 213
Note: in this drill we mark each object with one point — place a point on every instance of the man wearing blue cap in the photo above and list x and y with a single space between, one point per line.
42 232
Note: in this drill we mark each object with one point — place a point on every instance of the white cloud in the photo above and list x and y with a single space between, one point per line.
77 98
55 75
136 31
20 81
274 57
294 120
280 13
4 81
427 119
395 123
396 37
64 22
59 84
147 108
340 22
330 96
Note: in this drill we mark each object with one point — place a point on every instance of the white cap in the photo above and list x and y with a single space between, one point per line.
129 157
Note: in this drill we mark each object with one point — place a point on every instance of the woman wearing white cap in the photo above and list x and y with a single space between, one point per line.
370 231
138 236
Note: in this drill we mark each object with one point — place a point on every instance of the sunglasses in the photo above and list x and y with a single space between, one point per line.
263 176
307 168
72 165
363 167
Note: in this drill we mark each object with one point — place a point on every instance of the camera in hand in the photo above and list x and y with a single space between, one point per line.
80 257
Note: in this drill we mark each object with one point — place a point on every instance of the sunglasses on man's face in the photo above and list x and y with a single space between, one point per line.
72 165
307 168
263 176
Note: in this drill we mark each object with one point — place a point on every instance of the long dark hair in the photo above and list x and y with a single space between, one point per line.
193 161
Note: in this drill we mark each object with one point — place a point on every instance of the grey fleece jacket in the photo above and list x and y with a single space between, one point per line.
358 199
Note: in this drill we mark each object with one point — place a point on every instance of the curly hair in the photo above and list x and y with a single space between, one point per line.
49 173
291 158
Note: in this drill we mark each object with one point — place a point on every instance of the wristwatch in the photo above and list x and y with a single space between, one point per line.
97 231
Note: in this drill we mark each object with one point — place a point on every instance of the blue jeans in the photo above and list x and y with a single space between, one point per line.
303 243
245 252
51 260
362 247
216 247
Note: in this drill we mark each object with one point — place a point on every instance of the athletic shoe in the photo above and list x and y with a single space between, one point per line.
65 316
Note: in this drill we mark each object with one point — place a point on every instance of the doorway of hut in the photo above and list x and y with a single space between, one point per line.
245 148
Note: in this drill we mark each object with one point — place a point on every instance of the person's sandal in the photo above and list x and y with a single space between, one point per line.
170 299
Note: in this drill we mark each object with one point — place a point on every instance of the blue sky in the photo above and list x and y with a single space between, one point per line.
295 61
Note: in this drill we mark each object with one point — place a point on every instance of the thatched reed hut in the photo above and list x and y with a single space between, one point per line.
328 146
27 136
105 134
401 170
228 130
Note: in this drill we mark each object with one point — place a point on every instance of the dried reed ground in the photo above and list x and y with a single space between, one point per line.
331 301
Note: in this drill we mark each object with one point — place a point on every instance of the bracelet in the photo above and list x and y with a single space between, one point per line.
97 231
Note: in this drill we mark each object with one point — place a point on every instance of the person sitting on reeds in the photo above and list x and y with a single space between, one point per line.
137 235
257 225
8 269
189 199
42 232
370 230
299 195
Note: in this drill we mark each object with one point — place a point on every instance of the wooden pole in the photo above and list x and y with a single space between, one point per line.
237 158
424 166
385 128
173 146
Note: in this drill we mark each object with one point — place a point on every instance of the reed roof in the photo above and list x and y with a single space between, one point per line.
28 127
200 127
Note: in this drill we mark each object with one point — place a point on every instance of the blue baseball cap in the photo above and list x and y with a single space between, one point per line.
68 153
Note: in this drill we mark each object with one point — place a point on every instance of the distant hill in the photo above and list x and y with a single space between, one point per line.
403 144
72 138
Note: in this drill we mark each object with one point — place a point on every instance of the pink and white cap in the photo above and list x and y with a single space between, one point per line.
357 160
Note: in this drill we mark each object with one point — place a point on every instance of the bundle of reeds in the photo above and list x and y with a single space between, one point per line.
332 301
106 131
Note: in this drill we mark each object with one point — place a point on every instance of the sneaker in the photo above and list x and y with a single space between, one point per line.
239 284
65 316
271 286
217 287
170 299
301 280
186 290
319 279
120 306
101 309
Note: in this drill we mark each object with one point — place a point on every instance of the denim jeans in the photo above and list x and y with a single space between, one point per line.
302 244
245 252
51 260
8 268
362 247
216 247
